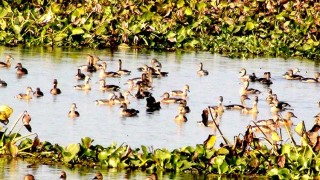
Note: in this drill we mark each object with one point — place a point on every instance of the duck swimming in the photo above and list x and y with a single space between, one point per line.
238 106
38 93
8 61
128 112
73 113
245 90
98 176
110 101
122 71
103 73
109 87
26 96
182 92
21 70
55 90
312 80
3 83
201 71
167 99
254 108
152 104
80 75
85 86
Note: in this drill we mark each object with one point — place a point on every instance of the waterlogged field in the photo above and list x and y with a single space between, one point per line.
156 130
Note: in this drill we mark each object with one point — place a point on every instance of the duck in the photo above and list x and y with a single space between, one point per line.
244 76
55 90
183 106
29 177
141 92
73 113
103 73
268 122
269 97
245 90
26 96
80 75
201 71
123 98
312 80
155 63
159 73
266 79
218 109
90 66
109 87
21 70
38 92
181 117
3 83
205 119
183 92
279 106
238 106
63 175
128 112
85 86
152 176
254 109
152 104
287 121
98 176
291 76
8 61
268 129
26 118
313 134
282 104
167 99
110 101
122 71
143 68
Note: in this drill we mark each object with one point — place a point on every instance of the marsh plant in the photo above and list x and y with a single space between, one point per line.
236 29
249 154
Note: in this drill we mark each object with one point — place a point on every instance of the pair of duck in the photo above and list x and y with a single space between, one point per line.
113 99
266 80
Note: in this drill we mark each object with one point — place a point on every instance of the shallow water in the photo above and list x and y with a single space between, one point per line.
104 124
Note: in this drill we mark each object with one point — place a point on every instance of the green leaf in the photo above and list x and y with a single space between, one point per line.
5 112
180 3
299 129
3 12
285 149
70 152
188 11
17 29
60 37
249 25
113 161
223 151
86 142
210 141
77 31
103 155
275 137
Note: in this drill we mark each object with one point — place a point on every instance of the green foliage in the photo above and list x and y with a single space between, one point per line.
233 29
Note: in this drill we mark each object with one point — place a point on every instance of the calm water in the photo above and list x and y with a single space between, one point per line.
104 124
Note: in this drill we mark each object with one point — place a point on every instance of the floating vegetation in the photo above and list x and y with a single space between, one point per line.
235 29
247 155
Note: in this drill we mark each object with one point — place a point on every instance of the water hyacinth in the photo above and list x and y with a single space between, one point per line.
235 29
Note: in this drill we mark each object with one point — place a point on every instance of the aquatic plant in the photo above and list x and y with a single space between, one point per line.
235 29
247 155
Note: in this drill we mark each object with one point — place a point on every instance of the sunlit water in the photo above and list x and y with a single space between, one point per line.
105 125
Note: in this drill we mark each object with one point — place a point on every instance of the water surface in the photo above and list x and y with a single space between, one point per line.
105 125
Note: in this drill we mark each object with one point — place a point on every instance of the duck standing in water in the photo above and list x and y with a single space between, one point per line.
55 90
7 63
201 71
38 93
73 113
21 70
26 96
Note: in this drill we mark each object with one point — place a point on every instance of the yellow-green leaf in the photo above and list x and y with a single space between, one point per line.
249 25
188 11
299 129
275 136
77 31
5 113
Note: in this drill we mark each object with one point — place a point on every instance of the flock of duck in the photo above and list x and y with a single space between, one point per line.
142 87
98 176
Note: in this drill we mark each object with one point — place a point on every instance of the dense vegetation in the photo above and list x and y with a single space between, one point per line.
237 29
247 155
